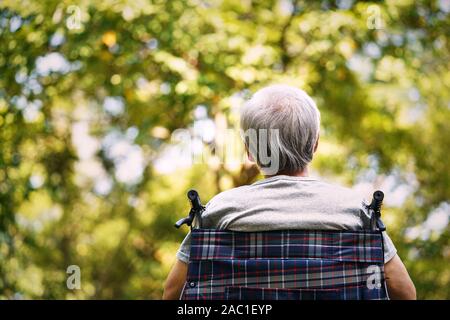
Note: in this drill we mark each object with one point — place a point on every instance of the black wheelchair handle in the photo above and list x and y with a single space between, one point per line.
194 198
375 206
195 212
377 201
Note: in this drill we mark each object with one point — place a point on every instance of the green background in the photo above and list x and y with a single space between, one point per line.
92 91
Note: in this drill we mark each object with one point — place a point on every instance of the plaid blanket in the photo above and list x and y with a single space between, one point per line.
301 265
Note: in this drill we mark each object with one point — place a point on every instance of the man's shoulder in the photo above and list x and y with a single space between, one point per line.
340 193
224 203
335 187
229 195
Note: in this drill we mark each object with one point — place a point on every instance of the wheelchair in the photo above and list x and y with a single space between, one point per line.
287 264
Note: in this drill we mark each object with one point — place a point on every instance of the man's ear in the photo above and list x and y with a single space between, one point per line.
249 155
317 143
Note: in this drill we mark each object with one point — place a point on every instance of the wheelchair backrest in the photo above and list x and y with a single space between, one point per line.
299 265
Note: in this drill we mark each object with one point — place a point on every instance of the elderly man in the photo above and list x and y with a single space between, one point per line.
287 198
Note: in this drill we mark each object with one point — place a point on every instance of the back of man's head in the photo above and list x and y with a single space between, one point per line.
290 120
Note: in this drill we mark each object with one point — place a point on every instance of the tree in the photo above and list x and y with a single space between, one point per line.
91 94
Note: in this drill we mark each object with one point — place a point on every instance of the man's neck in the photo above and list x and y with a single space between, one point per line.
300 173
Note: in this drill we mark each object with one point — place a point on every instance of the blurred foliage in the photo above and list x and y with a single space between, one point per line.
86 85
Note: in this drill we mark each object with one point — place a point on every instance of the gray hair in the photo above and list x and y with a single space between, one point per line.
292 121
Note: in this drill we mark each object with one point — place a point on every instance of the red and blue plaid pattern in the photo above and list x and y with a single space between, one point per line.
300 265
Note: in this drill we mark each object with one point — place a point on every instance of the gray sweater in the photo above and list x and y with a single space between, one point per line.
286 203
